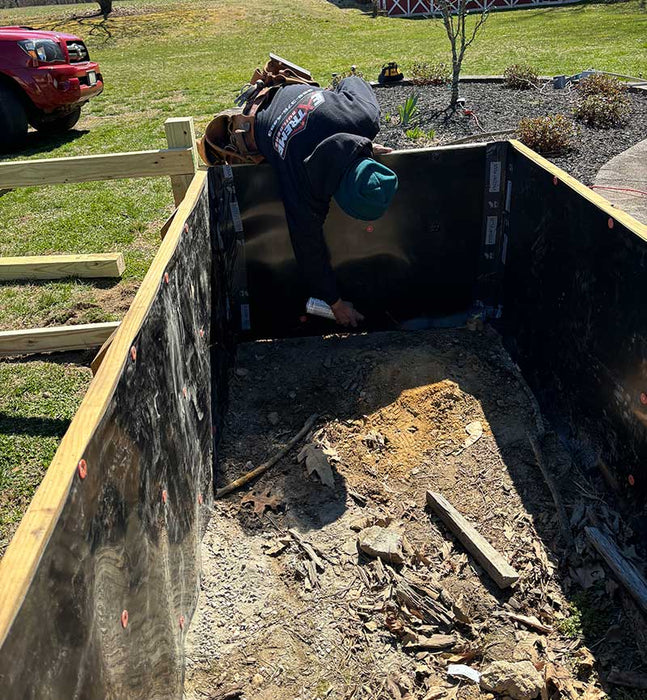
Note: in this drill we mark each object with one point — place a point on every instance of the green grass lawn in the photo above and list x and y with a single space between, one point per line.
168 58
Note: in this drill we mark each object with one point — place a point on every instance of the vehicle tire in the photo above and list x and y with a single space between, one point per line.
56 125
13 120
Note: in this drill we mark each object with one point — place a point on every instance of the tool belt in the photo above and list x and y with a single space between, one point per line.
229 137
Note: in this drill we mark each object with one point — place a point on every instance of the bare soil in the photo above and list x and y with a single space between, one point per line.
306 614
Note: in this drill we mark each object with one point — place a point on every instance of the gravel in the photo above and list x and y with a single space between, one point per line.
498 108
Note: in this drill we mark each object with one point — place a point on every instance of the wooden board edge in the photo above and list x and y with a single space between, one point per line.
161 162
121 264
20 562
65 260
36 341
598 200
100 356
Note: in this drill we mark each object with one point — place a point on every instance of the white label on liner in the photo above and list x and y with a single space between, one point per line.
495 176
490 230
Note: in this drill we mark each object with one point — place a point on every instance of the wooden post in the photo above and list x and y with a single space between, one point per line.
180 133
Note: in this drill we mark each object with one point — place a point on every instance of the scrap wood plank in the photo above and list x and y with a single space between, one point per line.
108 166
49 267
624 570
55 338
484 553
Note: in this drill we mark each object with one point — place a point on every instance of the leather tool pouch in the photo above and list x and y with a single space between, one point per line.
229 137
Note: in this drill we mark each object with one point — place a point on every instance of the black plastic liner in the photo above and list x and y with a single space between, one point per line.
492 230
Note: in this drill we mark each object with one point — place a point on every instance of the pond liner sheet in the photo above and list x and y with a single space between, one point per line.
101 580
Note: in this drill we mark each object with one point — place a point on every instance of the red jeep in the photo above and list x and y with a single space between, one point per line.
45 78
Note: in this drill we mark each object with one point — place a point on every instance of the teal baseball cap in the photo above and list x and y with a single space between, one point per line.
366 189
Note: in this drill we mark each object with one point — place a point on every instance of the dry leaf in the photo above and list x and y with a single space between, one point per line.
593 693
475 432
316 461
261 501
435 693
561 679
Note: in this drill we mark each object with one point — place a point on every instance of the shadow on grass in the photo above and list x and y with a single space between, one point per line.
36 143
366 6
81 358
32 425
89 282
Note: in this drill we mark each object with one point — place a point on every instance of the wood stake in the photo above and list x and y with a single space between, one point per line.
624 570
180 133
250 475
484 553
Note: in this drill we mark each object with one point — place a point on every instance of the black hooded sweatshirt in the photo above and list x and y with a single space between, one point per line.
311 136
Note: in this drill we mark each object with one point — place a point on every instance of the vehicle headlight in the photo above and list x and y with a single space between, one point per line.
43 50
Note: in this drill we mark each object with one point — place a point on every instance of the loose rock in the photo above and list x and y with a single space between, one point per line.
520 681
273 418
381 542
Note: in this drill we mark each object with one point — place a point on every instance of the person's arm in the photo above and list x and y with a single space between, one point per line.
311 252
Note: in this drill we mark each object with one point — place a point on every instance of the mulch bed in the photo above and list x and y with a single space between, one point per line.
498 108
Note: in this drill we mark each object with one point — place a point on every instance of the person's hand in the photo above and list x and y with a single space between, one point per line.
380 150
346 314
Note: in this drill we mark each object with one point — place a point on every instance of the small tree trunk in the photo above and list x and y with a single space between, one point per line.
455 77
105 6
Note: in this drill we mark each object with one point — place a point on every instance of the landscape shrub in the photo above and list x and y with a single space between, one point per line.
338 77
602 111
416 134
423 73
599 84
408 110
550 134
520 76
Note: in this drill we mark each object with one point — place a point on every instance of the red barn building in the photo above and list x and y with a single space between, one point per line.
417 8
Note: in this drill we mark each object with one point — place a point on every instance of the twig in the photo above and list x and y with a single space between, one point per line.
561 511
307 548
530 621
250 475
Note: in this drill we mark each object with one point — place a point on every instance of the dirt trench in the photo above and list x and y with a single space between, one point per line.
291 607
